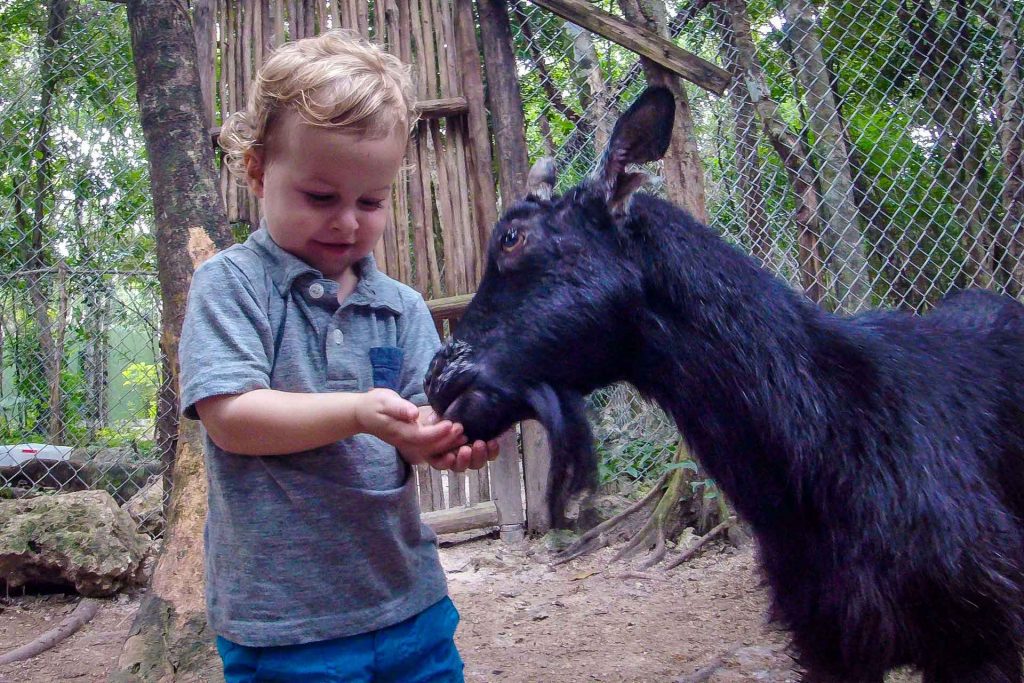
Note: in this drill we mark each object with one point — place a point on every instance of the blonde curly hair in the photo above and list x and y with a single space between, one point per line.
336 80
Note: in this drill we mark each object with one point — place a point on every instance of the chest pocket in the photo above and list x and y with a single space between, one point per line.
363 354
386 363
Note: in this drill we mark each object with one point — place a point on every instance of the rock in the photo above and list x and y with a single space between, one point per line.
147 507
82 540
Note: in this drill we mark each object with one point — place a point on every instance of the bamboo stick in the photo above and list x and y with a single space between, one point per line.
335 17
421 273
428 208
308 19
449 230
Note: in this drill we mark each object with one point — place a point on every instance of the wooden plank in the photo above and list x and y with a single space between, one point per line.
456 489
642 41
452 521
506 489
436 488
423 488
536 466
446 106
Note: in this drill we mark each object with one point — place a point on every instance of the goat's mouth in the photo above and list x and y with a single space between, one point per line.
460 390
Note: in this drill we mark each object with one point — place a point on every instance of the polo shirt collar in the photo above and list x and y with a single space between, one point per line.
373 289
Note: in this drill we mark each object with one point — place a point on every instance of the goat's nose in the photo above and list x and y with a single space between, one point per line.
445 364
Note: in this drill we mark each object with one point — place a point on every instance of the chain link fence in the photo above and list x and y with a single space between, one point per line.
869 153
79 299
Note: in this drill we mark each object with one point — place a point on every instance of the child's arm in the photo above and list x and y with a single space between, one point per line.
271 422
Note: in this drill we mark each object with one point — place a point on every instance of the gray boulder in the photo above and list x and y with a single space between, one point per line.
147 507
81 540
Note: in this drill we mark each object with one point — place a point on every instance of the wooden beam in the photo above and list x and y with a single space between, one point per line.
454 520
642 41
449 306
439 109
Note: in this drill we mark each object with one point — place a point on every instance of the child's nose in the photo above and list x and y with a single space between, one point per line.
346 222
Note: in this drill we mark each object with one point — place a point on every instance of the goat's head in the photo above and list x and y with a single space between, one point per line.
549 321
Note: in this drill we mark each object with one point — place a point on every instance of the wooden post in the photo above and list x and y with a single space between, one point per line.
506 485
536 466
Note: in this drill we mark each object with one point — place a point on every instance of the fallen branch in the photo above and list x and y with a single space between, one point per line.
695 548
81 616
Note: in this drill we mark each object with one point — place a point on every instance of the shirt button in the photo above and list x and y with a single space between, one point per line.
338 336
316 290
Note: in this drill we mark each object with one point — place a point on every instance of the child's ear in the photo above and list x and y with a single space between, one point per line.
254 169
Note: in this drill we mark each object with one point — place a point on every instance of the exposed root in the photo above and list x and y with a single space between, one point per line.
701 542
596 538
650 535
703 674
643 576
658 554
82 615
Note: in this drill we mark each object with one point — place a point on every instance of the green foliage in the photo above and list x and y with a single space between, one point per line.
145 379
89 208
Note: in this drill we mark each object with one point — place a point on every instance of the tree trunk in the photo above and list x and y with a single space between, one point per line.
846 258
170 639
682 167
504 99
594 97
1011 138
752 198
55 430
787 145
36 260
944 73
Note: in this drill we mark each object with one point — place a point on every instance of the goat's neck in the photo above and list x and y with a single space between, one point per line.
734 355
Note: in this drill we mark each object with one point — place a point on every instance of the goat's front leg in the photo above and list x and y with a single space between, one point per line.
1004 667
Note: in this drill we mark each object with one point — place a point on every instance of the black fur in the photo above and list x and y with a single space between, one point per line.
879 459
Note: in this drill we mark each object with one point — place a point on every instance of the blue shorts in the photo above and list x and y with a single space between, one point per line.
420 649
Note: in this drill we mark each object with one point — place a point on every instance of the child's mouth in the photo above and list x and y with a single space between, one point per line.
334 248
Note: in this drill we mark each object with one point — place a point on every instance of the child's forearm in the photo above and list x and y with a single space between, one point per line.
270 422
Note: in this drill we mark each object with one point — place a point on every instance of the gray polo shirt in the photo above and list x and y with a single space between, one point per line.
325 543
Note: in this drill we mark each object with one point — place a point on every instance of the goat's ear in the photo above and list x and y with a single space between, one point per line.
540 182
640 135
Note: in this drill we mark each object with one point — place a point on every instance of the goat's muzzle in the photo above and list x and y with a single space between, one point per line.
458 389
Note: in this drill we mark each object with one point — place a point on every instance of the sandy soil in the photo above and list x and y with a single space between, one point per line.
522 621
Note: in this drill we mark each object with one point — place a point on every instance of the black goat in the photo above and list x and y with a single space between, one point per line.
879 459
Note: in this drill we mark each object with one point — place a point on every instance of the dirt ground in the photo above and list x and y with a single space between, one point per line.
522 621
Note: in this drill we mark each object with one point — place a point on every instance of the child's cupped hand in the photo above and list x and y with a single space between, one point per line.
466 457
419 434
391 418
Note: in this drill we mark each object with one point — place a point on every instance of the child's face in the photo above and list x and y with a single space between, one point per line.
325 193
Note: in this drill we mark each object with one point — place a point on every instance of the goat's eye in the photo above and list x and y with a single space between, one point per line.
513 239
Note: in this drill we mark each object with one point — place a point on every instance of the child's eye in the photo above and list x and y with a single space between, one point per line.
319 198
372 203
